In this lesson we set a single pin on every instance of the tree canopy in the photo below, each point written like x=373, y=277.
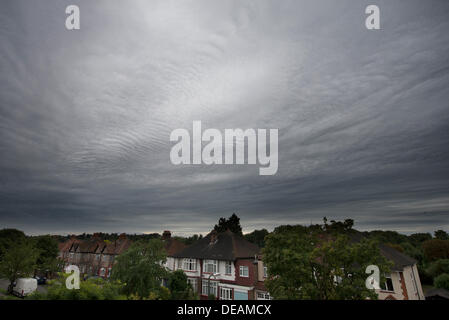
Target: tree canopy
x=232, y=223
x=141, y=269
x=317, y=263
x=19, y=261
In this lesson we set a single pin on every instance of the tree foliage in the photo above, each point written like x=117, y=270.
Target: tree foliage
x=436, y=249
x=8, y=237
x=91, y=289
x=232, y=223
x=319, y=263
x=179, y=288
x=140, y=268
x=257, y=237
x=438, y=267
x=47, y=247
x=19, y=261
x=441, y=234
x=442, y=281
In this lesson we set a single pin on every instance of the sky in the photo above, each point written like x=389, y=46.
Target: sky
x=86, y=115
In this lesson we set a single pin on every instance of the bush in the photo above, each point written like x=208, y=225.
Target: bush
x=92, y=289
x=438, y=267
x=442, y=281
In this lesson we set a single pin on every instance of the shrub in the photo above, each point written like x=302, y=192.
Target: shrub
x=442, y=281
x=438, y=267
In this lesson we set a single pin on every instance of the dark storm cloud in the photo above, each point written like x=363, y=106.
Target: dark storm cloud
x=85, y=116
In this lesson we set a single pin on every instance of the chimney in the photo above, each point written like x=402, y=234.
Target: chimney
x=122, y=236
x=166, y=235
x=213, y=237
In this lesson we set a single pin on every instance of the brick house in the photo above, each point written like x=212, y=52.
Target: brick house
x=223, y=264
x=94, y=256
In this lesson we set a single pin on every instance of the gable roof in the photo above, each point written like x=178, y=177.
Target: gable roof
x=399, y=259
x=173, y=246
x=117, y=247
x=228, y=246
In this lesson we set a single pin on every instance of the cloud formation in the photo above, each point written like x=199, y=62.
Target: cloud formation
x=85, y=116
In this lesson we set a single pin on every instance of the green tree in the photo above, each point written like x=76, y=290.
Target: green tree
x=441, y=234
x=232, y=223
x=47, y=260
x=257, y=237
x=18, y=261
x=438, y=267
x=8, y=237
x=435, y=249
x=442, y=281
x=140, y=268
x=314, y=263
x=179, y=288
x=419, y=238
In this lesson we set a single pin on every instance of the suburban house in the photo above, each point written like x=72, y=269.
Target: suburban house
x=224, y=265
x=96, y=256
x=403, y=282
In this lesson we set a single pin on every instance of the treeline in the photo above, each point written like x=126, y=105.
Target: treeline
x=430, y=251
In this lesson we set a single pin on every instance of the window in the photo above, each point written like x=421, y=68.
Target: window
x=102, y=272
x=244, y=272
x=109, y=272
x=265, y=272
x=97, y=256
x=388, y=286
x=209, y=287
x=225, y=294
x=228, y=267
x=263, y=296
x=189, y=264
x=193, y=283
x=210, y=266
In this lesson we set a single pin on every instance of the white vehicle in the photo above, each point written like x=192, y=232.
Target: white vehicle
x=24, y=286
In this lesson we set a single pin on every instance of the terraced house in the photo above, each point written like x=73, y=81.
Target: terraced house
x=224, y=265
x=97, y=256
x=94, y=256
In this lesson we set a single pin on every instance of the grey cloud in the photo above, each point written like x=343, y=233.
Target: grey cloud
x=85, y=116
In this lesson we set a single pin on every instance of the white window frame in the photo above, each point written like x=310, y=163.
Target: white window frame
x=228, y=267
x=388, y=276
x=263, y=296
x=241, y=273
x=265, y=271
x=213, y=287
x=189, y=264
x=212, y=263
x=225, y=293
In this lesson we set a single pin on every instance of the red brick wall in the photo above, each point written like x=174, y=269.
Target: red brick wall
x=252, y=273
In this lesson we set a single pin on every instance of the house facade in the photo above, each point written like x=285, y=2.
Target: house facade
x=224, y=265
x=94, y=256
x=403, y=282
